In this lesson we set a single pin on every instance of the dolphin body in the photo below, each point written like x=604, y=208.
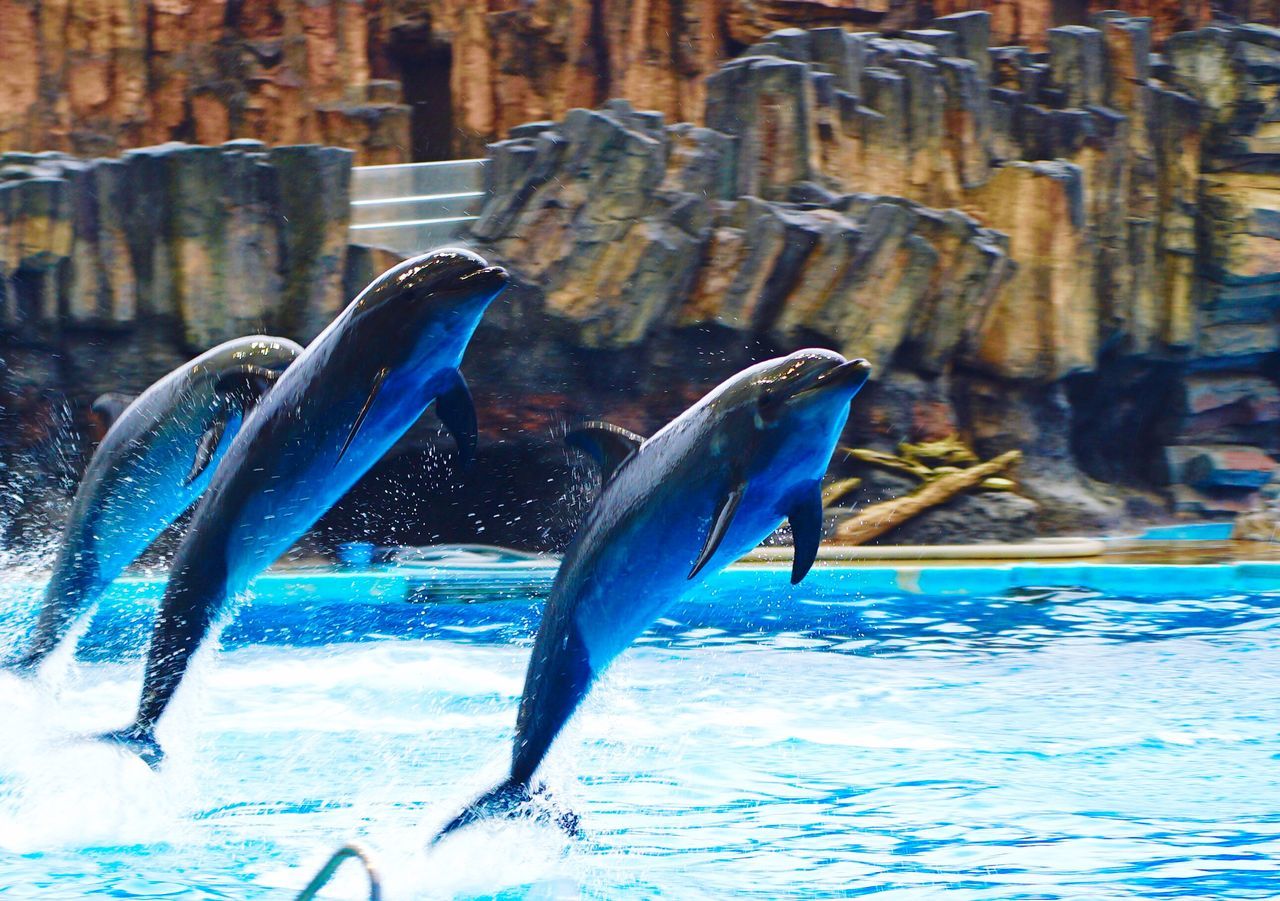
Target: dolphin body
x=348, y=398
x=156, y=458
x=674, y=510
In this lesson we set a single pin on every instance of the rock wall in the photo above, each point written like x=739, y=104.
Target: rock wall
x=1072, y=252
x=113, y=271
x=519, y=62
x=631, y=229
x=1088, y=228
x=215, y=240
x=94, y=79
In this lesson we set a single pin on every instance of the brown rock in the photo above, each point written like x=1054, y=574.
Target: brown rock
x=313, y=206
x=1043, y=325
x=104, y=76
x=768, y=104
x=120, y=73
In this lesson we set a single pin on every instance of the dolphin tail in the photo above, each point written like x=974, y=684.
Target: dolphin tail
x=141, y=740
x=511, y=799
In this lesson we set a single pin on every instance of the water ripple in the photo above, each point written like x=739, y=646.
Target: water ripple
x=1033, y=745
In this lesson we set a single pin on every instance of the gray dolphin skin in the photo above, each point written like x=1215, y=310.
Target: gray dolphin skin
x=154, y=461
x=674, y=510
x=111, y=406
x=348, y=398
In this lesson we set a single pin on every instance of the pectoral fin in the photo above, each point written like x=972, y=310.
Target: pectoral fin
x=206, y=447
x=805, y=517
x=609, y=445
x=458, y=413
x=719, y=526
x=378, y=379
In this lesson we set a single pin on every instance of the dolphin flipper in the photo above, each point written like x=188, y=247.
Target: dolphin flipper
x=719, y=526
x=242, y=386
x=138, y=739
x=206, y=447
x=457, y=411
x=364, y=411
x=805, y=517
x=510, y=799
x=609, y=445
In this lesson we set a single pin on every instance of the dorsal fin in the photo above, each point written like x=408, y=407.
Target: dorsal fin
x=609, y=445
x=110, y=405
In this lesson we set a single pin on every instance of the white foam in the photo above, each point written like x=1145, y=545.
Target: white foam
x=58, y=788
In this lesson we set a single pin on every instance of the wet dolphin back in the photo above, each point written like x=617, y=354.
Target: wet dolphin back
x=629, y=560
x=135, y=486
x=277, y=479
x=350, y=396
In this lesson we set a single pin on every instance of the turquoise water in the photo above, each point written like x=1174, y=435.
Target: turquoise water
x=1050, y=743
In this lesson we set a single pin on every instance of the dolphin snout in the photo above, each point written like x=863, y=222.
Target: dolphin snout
x=490, y=278
x=848, y=374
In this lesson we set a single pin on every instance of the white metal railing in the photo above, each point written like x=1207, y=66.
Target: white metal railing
x=412, y=207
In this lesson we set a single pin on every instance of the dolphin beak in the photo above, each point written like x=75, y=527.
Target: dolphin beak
x=849, y=376
x=490, y=279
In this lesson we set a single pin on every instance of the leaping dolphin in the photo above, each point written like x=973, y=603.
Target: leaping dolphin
x=674, y=510
x=350, y=396
x=157, y=456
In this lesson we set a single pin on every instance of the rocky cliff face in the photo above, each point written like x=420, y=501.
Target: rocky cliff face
x=94, y=79
x=215, y=240
x=517, y=62
x=112, y=272
x=1071, y=249
x=1072, y=252
x=425, y=79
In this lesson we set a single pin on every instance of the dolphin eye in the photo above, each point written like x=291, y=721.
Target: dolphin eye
x=768, y=407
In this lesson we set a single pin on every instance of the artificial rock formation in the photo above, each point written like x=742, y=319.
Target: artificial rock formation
x=1093, y=179
x=518, y=62
x=218, y=240
x=98, y=78
x=1089, y=227
x=101, y=77
x=631, y=228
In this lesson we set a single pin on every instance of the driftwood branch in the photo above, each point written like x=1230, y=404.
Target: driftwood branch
x=872, y=522
x=889, y=461
x=838, y=489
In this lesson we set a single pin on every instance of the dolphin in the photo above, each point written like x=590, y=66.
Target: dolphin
x=348, y=398
x=157, y=456
x=674, y=510
x=111, y=405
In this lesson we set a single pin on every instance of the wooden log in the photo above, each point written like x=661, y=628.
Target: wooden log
x=889, y=461
x=872, y=522
x=838, y=489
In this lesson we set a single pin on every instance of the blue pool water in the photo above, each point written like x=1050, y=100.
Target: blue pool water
x=838, y=740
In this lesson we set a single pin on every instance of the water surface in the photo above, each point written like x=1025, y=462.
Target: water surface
x=1039, y=744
